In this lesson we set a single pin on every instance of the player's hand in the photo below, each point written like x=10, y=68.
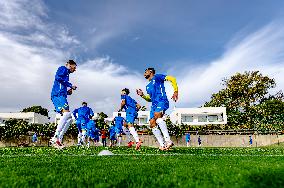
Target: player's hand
x=175, y=96
x=139, y=92
x=69, y=92
x=74, y=87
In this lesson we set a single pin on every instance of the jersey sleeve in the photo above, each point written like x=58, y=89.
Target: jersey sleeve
x=75, y=113
x=91, y=112
x=173, y=82
x=161, y=77
x=60, y=74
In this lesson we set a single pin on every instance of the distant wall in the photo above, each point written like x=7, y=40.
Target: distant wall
x=206, y=141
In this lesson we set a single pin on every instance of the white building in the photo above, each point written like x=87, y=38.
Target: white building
x=199, y=116
x=30, y=117
x=142, y=118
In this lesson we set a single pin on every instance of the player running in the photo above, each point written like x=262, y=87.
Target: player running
x=157, y=95
x=131, y=107
x=118, y=122
x=91, y=129
x=84, y=115
x=61, y=88
x=112, y=136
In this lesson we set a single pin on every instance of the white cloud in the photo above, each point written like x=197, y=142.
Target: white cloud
x=28, y=64
x=262, y=50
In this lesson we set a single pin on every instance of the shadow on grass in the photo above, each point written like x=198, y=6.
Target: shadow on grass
x=268, y=179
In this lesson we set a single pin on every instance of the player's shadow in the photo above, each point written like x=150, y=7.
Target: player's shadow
x=271, y=179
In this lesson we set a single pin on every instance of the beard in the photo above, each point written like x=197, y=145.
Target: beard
x=147, y=76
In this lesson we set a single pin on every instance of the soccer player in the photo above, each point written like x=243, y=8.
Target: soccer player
x=83, y=118
x=61, y=88
x=118, y=122
x=131, y=107
x=157, y=95
x=112, y=136
x=187, y=139
x=91, y=128
x=34, y=139
x=96, y=136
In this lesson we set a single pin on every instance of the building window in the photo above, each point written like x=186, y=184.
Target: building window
x=186, y=118
x=143, y=120
x=202, y=118
x=213, y=118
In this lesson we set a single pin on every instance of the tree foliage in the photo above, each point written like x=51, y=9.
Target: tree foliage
x=248, y=102
x=101, y=124
x=37, y=109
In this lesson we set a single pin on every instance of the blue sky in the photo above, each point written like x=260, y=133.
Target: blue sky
x=199, y=42
x=143, y=33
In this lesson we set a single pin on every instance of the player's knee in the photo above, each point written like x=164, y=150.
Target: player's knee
x=157, y=115
x=67, y=114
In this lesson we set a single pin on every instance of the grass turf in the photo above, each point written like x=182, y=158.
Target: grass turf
x=181, y=167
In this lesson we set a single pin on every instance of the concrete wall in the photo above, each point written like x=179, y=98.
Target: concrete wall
x=207, y=141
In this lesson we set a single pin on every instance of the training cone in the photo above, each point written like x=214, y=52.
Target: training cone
x=105, y=152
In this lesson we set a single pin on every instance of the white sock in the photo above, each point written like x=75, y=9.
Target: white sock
x=134, y=134
x=163, y=126
x=119, y=140
x=79, y=137
x=158, y=135
x=65, y=128
x=84, y=134
x=127, y=133
x=61, y=123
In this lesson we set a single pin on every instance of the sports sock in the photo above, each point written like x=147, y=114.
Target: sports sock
x=158, y=135
x=65, y=128
x=61, y=123
x=163, y=126
x=84, y=133
x=134, y=134
x=127, y=133
x=119, y=140
x=79, y=137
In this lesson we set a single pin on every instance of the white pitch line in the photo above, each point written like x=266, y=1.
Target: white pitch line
x=149, y=154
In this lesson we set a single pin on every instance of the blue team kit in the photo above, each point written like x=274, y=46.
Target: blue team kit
x=157, y=93
x=130, y=108
x=118, y=124
x=59, y=89
x=83, y=118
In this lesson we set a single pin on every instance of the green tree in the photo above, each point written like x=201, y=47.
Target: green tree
x=36, y=109
x=244, y=95
x=101, y=121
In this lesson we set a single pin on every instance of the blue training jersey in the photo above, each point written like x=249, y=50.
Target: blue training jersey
x=130, y=104
x=118, y=121
x=84, y=113
x=61, y=82
x=156, y=89
x=112, y=131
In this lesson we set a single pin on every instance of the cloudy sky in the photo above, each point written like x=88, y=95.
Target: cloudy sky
x=199, y=42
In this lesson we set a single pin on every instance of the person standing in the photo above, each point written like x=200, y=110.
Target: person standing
x=61, y=88
x=156, y=93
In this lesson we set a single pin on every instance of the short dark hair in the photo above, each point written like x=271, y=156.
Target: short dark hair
x=119, y=114
x=84, y=103
x=71, y=62
x=126, y=91
x=151, y=69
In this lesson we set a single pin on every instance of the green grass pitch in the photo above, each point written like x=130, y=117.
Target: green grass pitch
x=180, y=167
